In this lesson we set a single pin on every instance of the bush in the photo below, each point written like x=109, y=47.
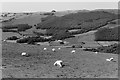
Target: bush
x=91, y=49
x=110, y=49
x=23, y=27
x=8, y=30
x=19, y=27
x=32, y=40
x=9, y=27
x=107, y=34
x=38, y=33
x=24, y=40
x=61, y=34
x=12, y=38
x=113, y=22
x=106, y=49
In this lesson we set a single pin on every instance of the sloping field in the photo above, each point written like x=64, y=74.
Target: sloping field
x=31, y=20
x=89, y=38
x=40, y=63
x=5, y=35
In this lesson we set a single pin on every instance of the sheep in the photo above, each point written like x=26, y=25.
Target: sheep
x=59, y=48
x=96, y=52
x=4, y=40
x=73, y=51
x=53, y=49
x=45, y=49
x=110, y=59
x=25, y=54
x=58, y=63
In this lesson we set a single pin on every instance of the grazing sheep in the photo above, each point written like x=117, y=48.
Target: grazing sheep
x=59, y=48
x=110, y=59
x=25, y=54
x=45, y=49
x=4, y=40
x=73, y=51
x=96, y=52
x=53, y=49
x=58, y=63
x=59, y=40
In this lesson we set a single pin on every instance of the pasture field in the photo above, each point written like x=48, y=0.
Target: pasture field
x=40, y=63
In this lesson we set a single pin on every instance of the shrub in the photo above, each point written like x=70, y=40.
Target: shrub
x=32, y=40
x=9, y=30
x=106, y=49
x=110, y=49
x=23, y=27
x=12, y=38
x=61, y=34
x=19, y=27
x=24, y=40
x=91, y=49
x=107, y=34
x=38, y=33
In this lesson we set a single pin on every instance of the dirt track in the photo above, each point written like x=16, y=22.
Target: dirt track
x=40, y=63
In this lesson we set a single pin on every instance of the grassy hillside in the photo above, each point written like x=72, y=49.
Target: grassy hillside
x=56, y=26
x=30, y=20
x=77, y=20
x=84, y=21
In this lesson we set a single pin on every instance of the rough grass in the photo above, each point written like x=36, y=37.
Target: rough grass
x=40, y=64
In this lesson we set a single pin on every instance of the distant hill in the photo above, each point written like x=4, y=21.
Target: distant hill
x=84, y=21
x=77, y=20
x=114, y=11
x=30, y=20
x=54, y=24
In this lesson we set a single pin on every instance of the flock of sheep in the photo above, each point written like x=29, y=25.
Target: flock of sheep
x=56, y=63
x=59, y=63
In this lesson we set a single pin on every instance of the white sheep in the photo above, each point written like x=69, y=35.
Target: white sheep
x=96, y=52
x=53, y=49
x=58, y=63
x=110, y=59
x=73, y=51
x=4, y=40
x=24, y=53
x=45, y=49
x=59, y=48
